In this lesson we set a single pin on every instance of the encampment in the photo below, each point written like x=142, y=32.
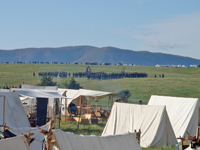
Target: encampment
x=183, y=113
x=156, y=129
x=70, y=141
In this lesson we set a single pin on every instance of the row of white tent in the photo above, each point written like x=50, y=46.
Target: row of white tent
x=160, y=125
x=70, y=141
x=163, y=120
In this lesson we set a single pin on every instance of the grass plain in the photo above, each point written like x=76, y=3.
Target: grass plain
x=180, y=82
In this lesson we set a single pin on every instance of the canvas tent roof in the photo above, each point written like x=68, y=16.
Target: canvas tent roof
x=69, y=141
x=183, y=113
x=15, y=143
x=75, y=94
x=156, y=129
x=32, y=93
x=26, y=86
x=15, y=115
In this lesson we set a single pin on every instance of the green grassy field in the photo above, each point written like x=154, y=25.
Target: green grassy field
x=181, y=82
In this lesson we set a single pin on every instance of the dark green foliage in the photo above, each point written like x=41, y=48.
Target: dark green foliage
x=125, y=94
x=47, y=81
x=70, y=84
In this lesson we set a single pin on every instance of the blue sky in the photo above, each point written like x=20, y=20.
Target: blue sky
x=167, y=26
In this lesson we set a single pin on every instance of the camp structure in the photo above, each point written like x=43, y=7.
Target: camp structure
x=81, y=97
x=184, y=113
x=153, y=121
x=40, y=104
x=70, y=141
x=15, y=143
x=12, y=113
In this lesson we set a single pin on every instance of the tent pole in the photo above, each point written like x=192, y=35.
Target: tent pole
x=53, y=113
x=65, y=110
x=3, y=128
x=96, y=102
x=112, y=102
x=87, y=104
x=60, y=106
x=108, y=101
x=80, y=104
x=48, y=109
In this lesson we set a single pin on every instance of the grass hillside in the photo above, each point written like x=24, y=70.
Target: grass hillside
x=181, y=82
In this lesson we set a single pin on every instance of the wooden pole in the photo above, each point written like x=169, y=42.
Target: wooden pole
x=112, y=102
x=80, y=104
x=4, y=111
x=48, y=109
x=87, y=104
x=53, y=111
x=96, y=102
x=4, y=125
x=60, y=107
x=27, y=136
x=47, y=135
x=65, y=109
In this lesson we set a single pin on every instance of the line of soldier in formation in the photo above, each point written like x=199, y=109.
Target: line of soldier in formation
x=93, y=75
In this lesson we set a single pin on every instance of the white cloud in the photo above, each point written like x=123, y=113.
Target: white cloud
x=179, y=35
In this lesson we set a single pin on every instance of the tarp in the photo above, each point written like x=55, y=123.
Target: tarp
x=38, y=138
x=32, y=93
x=15, y=115
x=156, y=129
x=69, y=141
x=183, y=112
x=26, y=86
x=75, y=95
x=15, y=143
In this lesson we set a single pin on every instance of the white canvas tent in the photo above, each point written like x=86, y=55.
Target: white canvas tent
x=29, y=96
x=15, y=115
x=15, y=143
x=69, y=141
x=156, y=129
x=183, y=112
x=38, y=138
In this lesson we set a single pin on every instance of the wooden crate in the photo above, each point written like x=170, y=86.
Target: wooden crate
x=83, y=120
x=89, y=116
x=67, y=119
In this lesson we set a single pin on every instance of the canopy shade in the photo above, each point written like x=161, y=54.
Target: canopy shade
x=33, y=93
x=92, y=94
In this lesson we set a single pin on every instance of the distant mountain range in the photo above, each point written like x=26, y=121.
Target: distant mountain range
x=82, y=54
